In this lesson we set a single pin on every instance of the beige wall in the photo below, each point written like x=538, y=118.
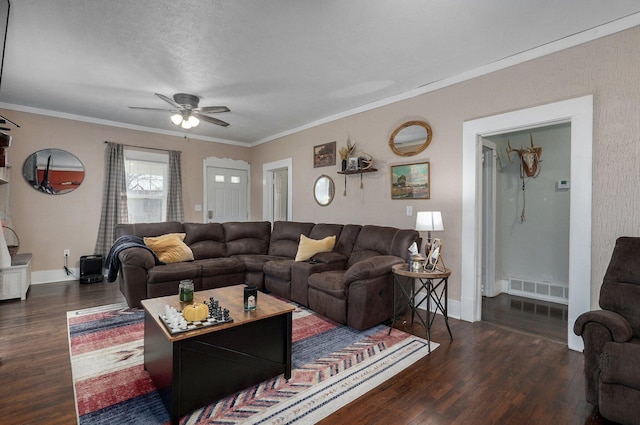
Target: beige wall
x=606, y=68
x=48, y=224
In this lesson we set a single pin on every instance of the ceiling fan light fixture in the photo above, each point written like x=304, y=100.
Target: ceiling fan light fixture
x=176, y=119
x=193, y=121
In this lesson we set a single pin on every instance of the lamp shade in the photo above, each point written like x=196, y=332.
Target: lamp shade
x=429, y=220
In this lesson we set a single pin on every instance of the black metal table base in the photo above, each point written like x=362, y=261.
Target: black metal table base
x=436, y=297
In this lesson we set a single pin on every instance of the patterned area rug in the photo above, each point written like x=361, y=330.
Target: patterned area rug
x=333, y=365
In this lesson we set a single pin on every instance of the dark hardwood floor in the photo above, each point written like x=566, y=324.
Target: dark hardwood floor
x=486, y=375
x=538, y=318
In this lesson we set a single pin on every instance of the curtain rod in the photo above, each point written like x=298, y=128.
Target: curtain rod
x=143, y=147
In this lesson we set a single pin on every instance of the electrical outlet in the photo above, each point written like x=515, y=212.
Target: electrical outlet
x=66, y=253
x=409, y=211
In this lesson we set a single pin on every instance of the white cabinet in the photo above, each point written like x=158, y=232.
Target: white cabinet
x=15, y=280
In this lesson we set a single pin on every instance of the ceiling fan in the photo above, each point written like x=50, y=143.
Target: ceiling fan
x=187, y=114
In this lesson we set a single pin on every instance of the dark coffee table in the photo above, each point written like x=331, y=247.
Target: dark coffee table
x=195, y=368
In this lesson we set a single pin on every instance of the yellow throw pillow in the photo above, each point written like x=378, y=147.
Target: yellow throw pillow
x=169, y=248
x=310, y=247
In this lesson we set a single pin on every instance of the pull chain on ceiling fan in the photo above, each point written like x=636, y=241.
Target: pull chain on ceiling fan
x=187, y=113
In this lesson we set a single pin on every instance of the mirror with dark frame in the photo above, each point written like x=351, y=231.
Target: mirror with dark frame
x=323, y=190
x=53, y=171
x=410, y=138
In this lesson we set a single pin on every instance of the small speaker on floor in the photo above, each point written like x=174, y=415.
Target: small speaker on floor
x=91, y=269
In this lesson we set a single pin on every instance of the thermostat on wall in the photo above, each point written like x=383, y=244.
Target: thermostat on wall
x=563, y=184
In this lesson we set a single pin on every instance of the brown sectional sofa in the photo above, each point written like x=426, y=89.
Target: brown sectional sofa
x=352, y=284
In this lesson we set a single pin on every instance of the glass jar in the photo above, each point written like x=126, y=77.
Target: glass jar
x=186, y=290
x=250, y=298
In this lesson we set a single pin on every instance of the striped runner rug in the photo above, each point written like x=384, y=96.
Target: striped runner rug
x=333, y=365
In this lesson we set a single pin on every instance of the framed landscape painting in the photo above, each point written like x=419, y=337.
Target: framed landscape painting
x=410, y=181
x=324, y=155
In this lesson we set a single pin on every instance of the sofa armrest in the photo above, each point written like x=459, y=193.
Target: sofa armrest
x=618, y=326
x=137, y=257
x=329, y=258
x=372, y=267
x=620, y=365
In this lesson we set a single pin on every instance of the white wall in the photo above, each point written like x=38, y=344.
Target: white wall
x=605, y=68
x=538, y=248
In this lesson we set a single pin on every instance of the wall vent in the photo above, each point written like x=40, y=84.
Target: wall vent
x=545, y=291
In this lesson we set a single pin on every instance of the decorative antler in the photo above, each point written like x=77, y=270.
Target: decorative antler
x=529, y=165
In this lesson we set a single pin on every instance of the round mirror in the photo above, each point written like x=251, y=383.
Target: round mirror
x=323, y=190
x=53, y=171
x=410, y=138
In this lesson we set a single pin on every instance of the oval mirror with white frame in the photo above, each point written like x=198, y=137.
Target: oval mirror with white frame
x=410, y=138
x=323, y=190
x=53, y=171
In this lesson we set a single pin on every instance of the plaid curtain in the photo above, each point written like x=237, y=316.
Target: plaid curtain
x=114, y=198
x=175, y=210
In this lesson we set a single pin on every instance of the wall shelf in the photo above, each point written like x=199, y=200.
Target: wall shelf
x=352, y=172
x=368, y=170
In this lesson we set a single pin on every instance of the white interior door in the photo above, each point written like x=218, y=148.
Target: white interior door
x=488, y=218
x=277, y=178
x=226, y=195
x=280, y=194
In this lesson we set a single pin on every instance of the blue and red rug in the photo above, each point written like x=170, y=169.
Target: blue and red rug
x=333, y=365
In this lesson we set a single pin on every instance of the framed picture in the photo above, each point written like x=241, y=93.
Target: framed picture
x=352, y=163
x=410, y=181
x=324, y=155
x=434, y=255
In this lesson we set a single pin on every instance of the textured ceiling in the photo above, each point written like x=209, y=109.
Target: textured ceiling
x=277, y=64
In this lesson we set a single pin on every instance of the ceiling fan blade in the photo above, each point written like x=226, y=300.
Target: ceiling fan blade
x=7, y=119
x=210, y=119
x=212, y=109
x=169, y=101
x=153, y=109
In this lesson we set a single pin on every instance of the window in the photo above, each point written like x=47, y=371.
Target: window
x=147, y=187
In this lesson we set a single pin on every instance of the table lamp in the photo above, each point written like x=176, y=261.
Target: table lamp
x=429, y=221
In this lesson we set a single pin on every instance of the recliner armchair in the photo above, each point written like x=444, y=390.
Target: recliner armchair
x=612, y=337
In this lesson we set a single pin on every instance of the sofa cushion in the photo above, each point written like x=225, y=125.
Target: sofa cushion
x=285, y=237
x=347, y=239
x=170, y=248
x=308, y=247
x=173, y=273
x=148, y=229
x=322, y=230
x=220, y=266
x=206, y=240
x=279, y=268
x=255, y=263
x=251, y=237
x=372, y=241
x=330, y=283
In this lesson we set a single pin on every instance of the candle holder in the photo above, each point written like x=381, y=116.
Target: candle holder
x=250, y=298
x=186, y=290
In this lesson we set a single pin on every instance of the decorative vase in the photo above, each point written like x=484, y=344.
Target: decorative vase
x=344, y=165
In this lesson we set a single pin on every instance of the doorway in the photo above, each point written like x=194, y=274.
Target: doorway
x=579, y=113
x=525, y=231
x=277, y=190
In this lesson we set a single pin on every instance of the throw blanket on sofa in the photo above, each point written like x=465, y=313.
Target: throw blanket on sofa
x=113, y=261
